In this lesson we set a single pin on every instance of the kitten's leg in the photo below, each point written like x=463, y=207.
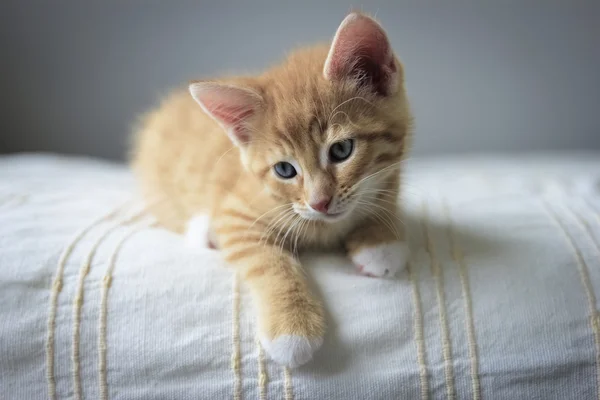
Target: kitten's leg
x=377, y=250
x=290, y=319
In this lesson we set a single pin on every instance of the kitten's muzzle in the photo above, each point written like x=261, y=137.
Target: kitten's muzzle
x=321, y=205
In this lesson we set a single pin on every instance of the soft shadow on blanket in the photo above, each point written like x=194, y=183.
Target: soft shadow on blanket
x=337, y=354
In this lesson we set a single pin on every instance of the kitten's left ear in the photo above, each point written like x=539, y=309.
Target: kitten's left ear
x=233, y=107
x=361, y=52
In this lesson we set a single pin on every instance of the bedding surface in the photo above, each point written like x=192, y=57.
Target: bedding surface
x=500, y=300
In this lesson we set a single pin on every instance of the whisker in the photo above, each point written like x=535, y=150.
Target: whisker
x=347, y=117
x=290, y=218
x=392, y=214
x=282, y=216
x=387, y=222
x=271, y=210
x=396, y=164
x=346, y=101
x=302, y=224
x=290, y=228
x=390, y=194
x=385, y=210
x=379, y=199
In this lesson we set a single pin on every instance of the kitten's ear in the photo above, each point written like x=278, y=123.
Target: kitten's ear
x=233, y=107
x=361, y=52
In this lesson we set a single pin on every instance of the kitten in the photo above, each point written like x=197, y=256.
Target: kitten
x=304, y=155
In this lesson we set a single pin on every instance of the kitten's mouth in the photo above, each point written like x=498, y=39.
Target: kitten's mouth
x=334, y=216
x=317, y=216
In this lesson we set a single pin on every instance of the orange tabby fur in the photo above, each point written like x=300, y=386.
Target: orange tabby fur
x=187, y=166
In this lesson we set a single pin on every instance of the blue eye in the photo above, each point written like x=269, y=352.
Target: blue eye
x=285, y=170
x=340, y=151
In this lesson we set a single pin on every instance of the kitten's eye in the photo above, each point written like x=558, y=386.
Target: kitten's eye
x=285, y=170
x=340, y=151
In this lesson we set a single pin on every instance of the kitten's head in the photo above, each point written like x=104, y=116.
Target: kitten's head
x=323, y=129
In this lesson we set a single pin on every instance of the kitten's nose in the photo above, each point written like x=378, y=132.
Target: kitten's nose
x=321, y=205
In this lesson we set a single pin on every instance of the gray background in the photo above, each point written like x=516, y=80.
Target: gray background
x=482, y=76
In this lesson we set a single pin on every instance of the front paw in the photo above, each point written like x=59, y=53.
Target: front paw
x=291, y=335
x=198, y=234
x=291, y=350
x=383, y=260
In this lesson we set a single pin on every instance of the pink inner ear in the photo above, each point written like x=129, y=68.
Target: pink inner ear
x=228, y=114
x=231, y=106
x=361, y=51
x=232, y=118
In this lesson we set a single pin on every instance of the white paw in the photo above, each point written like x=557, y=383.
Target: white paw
x=197, y=232
x=291, y=350
x=383, y=260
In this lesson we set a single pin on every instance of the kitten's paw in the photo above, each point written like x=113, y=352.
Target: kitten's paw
x=291, y=350
x=197, y=234
x=293, y=333
x=383, y=260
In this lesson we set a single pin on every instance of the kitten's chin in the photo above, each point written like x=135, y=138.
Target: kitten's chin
x=317, y=216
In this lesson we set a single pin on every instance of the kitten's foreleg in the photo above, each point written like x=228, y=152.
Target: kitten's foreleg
x=290, y=319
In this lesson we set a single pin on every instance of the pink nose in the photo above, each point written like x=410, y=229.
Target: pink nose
x=321, y=205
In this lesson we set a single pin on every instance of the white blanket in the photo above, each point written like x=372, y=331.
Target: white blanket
x=499, y=302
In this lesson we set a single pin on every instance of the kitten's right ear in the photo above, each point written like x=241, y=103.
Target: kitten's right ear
x=233, y=107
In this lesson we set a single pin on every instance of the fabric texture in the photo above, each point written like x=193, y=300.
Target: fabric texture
x=500, y=299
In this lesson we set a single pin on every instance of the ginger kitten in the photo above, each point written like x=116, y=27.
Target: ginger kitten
x=305, y=155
